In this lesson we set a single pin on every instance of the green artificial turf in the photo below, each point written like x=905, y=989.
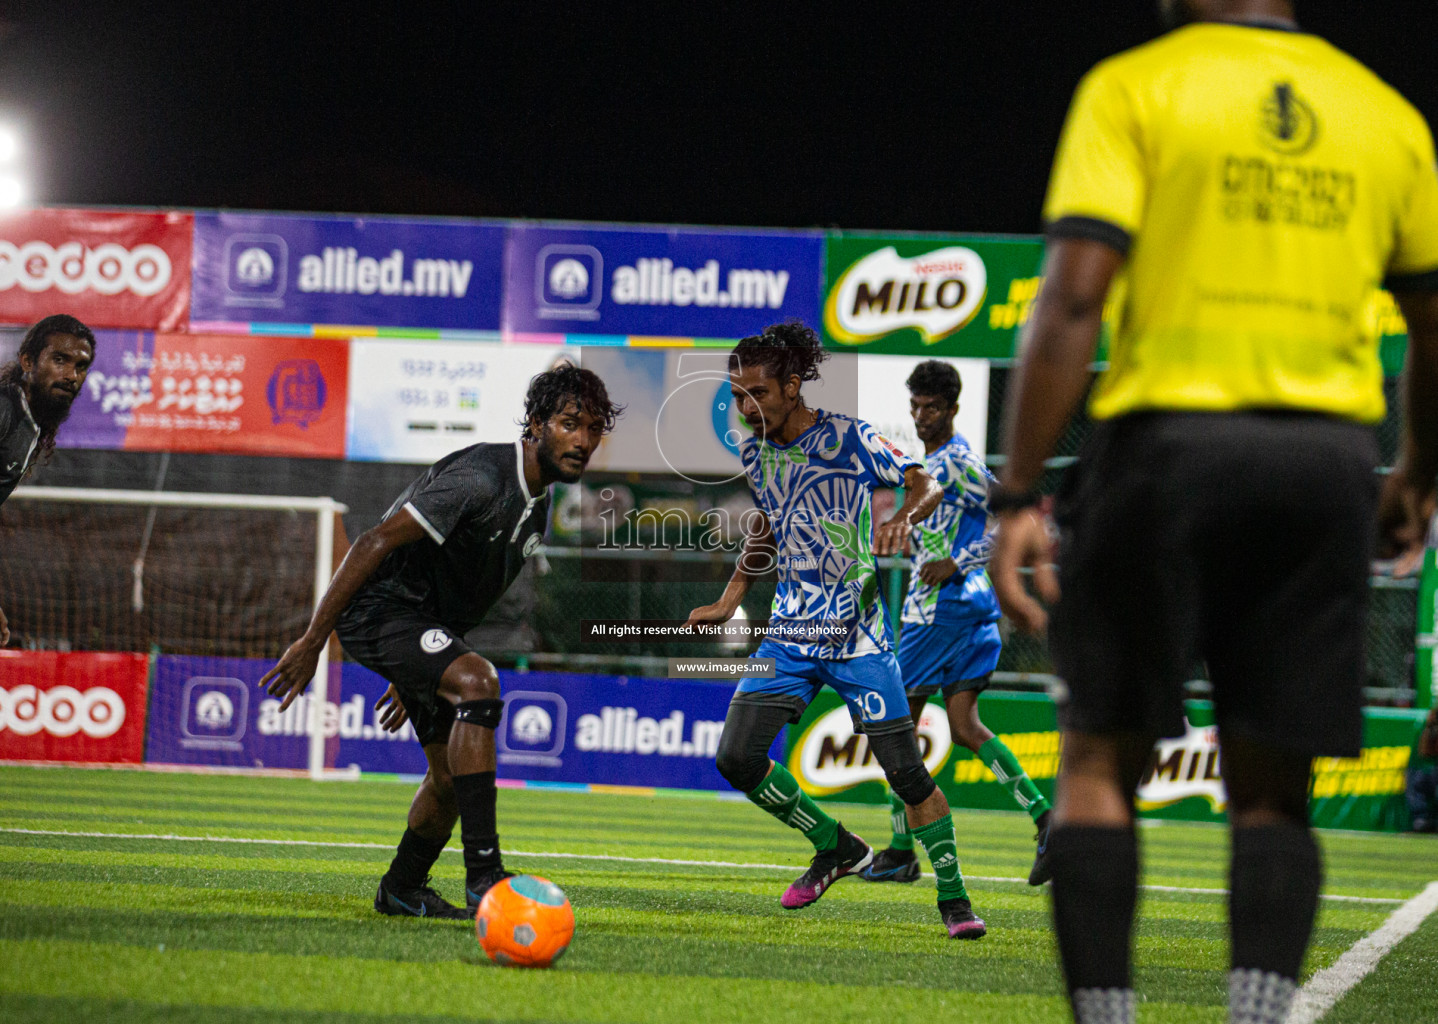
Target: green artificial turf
x=105, y=928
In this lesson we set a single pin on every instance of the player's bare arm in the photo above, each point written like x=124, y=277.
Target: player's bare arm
x=296, y=667
x=1407, y=501
x=758, y=558
x=937, y=571
x=4, y=629
x=922, y=495
x=1053, y=375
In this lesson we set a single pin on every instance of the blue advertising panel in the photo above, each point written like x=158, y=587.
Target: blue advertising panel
x=383, y=272
x=210, y=711
x=659, y=282
x=614, y=730
x=557, y=726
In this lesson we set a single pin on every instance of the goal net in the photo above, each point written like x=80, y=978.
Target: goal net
x=208, y=583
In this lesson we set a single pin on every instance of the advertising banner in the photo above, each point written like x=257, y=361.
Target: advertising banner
x=658, y=282
x=928, y=295
x=557, y=727
x=1183, y=781
x=110, y=269
x=415, y=401
x=72, y=706
x=213, y=393
x=680, y=414
x=614, y=730
x=375, y=271
x=210, y=711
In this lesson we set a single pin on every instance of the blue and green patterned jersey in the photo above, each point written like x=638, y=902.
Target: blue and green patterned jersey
x=817, y=493
x=958, y=529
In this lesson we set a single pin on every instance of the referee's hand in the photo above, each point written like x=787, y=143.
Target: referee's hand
x=1022, y=541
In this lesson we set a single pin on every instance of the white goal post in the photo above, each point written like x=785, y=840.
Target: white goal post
x=323, y=509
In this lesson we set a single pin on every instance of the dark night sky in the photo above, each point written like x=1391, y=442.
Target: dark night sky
x=932, y=117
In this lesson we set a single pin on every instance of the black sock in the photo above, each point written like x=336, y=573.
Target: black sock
x=474, y=794
x=1095, y=891
x=1273, y=897
x=412, y=860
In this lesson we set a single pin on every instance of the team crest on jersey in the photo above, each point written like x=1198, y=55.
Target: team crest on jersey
x=1288, y=125
x=435, y=640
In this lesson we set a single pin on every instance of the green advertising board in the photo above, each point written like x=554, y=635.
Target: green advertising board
x=968, y=295
x=1183, y=780
x=928, y=294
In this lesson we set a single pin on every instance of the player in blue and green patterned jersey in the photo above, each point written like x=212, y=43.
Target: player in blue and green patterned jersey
x=950, y=642
x=813, y=474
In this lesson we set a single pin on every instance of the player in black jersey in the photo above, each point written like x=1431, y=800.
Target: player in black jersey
x=408, y=591
x=36, y=391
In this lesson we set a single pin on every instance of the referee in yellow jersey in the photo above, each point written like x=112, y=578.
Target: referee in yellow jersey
x=1241, y=189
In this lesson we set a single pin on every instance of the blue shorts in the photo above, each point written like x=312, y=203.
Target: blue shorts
x=870, y=684
x=948, y=658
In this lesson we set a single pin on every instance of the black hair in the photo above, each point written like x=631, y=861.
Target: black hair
x=552, y=390
x=32, y=345
x=938, y=378
x=790, y=349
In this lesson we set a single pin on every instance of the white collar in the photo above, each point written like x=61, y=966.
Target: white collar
x=519, y=464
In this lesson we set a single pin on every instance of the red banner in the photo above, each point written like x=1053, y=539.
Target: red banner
x=72, y=707
x=232, y=393
x=109, y=269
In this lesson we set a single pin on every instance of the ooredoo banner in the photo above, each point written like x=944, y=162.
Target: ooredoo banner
x=659, y=282
x=213, y=393
x=72, y=706
x=110, y=269
x=374, y=271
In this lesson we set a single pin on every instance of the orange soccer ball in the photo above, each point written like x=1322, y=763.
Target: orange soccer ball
x=524, y=921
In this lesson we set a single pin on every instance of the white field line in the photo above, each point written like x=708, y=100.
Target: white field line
x=574, y=856
x=1329, y=985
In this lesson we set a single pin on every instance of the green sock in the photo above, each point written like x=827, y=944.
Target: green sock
x=943, y=850
x=780, y=795
x=1010, y=773
x=899, y=819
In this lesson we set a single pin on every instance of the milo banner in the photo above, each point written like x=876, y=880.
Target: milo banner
x=1183, y=781
x=928, y=295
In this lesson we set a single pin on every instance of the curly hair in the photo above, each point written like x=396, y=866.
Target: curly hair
x=935, y=377
x=790, y=349
x=32, y=345
x=552, y=390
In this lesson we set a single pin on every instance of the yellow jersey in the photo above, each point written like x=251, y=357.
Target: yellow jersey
x=1263, y=184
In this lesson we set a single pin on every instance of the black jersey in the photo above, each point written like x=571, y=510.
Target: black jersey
x=18, y=438
x=482, y=524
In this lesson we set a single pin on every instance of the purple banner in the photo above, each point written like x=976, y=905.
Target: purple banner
x=557, y=727
x=385, y=272
x=118, y=383
x=664, y=282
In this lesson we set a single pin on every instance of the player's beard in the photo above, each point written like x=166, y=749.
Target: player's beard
x=555, y=466
x=49, y=408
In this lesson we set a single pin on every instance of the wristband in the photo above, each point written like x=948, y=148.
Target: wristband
x=1002, y=500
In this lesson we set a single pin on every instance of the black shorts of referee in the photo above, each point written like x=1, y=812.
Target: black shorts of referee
x=410, y=650
x=1243, y=540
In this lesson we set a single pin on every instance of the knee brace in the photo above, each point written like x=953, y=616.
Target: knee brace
x=749, y=731
x=483, y=713
x=898, y=754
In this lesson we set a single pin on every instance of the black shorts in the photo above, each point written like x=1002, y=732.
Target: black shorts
x=410, y=650
x=1241, y=540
